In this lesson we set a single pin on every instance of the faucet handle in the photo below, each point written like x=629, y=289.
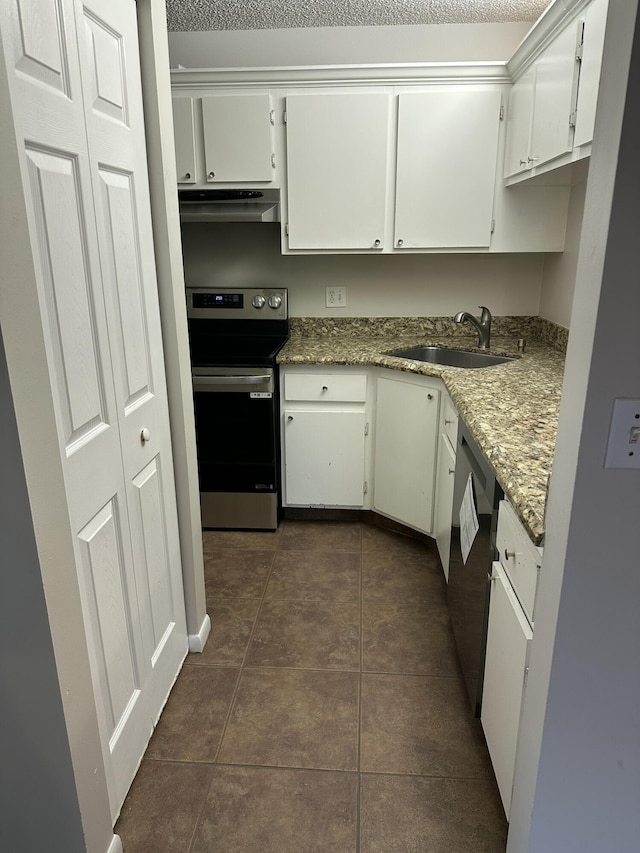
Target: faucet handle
x=486, y=314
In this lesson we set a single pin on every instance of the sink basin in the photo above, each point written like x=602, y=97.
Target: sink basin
x=451, y=357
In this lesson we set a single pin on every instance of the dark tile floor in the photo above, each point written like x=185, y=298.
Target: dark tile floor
x=327, y=712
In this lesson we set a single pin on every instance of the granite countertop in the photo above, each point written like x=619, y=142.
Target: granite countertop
x=511, y=409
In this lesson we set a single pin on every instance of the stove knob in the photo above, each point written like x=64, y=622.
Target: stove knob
x=275, y=301
x=258, y=301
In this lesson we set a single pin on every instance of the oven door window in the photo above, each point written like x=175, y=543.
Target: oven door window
x=236, y=438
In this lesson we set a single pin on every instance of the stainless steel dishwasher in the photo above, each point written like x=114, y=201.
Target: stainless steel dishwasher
x=468, y=589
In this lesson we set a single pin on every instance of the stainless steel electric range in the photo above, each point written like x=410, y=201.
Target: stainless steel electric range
x=235, y=336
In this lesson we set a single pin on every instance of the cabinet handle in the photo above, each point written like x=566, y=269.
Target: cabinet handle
x=532, y=159
x=376, y=243
x=188, y=175
x=509, y=554
x=289, y=417
x=145, y=435
x=429, y=396
x=212, y=174
x=523, y=162
x=452, y=470
x=400, y=242
x=325, y=388
x=447, y=422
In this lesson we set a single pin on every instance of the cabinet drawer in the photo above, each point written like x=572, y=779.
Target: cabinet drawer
x=449, y=421
x=519, y=557
x=325, y=387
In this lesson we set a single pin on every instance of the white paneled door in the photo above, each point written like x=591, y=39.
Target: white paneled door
x=77, y=104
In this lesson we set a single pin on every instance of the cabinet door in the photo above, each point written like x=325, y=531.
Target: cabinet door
x=519, y=115
x=593, y=42
x=555, y=91
x=444, y=500
x=324, y=458
x=508, y=639
x=405, y=455
x=238, y=138
x=337, y=148
x=183, y=131
x=446, y=168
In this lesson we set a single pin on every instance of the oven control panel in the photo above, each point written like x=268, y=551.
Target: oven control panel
x=237, y=303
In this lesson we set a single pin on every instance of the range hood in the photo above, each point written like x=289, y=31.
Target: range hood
x=229, y=205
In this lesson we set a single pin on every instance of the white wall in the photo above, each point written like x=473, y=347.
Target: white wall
x=345, y=45
x=559, y=274
x=233, y=254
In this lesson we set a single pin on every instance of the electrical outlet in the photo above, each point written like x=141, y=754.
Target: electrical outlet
x=336, y=297
x=623, y=449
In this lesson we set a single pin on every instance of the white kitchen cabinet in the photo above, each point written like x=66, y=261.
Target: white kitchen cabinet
x=445, y=478
x=541, y=107
x=555, y=98
x=595, y=21
x=406, y=434
x=184, y=134
x=337, y=160
x=324, y=437
x=508, y=638
x=238, y=138
x=519, y=118
x=446, y=167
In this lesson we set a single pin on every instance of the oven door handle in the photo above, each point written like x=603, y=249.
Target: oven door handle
x=227, y=383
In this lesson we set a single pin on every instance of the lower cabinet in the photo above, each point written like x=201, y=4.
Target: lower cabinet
x=324, y=463
x=324, y=437
x=445, y=479
x=406, y=433
x=508, y=638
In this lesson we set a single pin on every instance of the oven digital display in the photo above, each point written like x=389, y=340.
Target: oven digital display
x=218, y=300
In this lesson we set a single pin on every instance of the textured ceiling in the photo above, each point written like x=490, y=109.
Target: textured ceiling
x=189, y=15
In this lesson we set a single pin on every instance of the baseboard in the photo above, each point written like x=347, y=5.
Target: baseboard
x=116, y=845
x=197, y=641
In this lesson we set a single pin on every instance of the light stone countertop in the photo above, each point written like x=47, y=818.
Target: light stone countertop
x=511, y=409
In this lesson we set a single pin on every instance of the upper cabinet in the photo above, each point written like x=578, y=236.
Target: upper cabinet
x=185, y=140
x=224, y=138
x=337, y=153
x=552, y=103
x=446, y=166
x=595, y=21
x=238, y=139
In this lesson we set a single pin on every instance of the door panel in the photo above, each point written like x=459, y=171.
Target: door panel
x=40, y=43
x=66, y=267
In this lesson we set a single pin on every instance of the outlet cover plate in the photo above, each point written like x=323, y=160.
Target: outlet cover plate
x=336, y=297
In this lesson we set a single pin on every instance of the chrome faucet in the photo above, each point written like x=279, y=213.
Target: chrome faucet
x=482, y=326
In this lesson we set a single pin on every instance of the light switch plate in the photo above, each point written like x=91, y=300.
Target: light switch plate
x=623, y=449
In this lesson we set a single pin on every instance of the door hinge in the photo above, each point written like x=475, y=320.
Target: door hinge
x=525, y=677
x=366, y=429
x=501, y=112
x=365, y=488
x=580, y=44
x=572, y=118
x=493, y=225
x=272, y=116
x=286, y=228
x=284, y=117
x=273, y=161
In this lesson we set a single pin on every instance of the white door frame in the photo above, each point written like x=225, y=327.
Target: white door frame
x=34, y=407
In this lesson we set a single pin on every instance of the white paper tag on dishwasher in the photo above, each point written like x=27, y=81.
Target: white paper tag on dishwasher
x=261, y=395
x=468, y=520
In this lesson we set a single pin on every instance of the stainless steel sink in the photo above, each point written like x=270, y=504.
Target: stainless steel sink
x=450, y=357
